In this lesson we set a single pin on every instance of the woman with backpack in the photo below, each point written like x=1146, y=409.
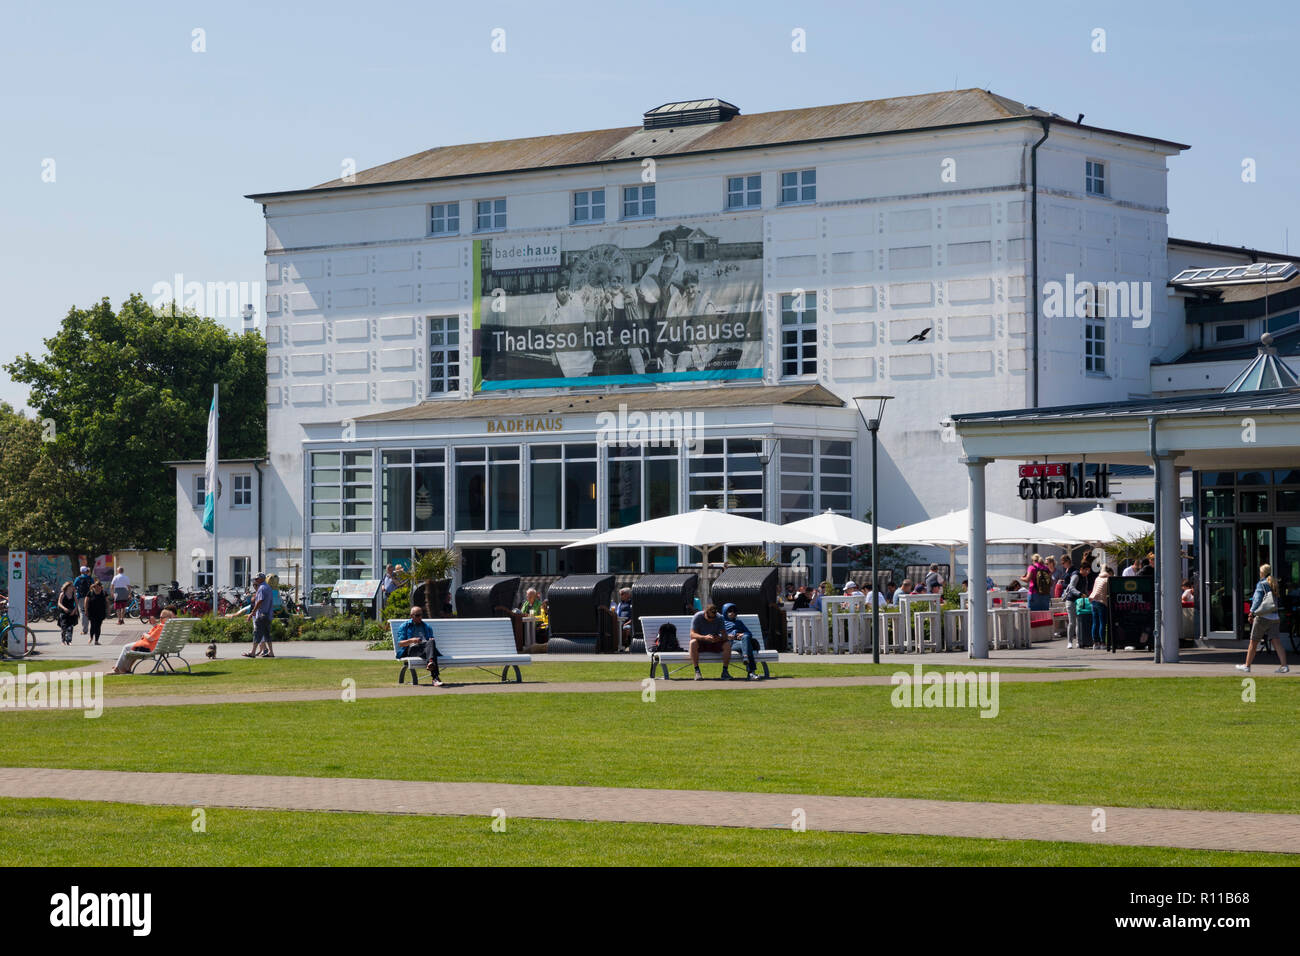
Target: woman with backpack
x=1038, y=581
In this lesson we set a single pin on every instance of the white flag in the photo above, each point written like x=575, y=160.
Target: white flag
x=210, y=471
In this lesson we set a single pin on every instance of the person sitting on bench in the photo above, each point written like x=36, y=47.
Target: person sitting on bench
x=622, y=610
x=417, y=635
x=143, y=647
x=738, y=632
x=709, y=634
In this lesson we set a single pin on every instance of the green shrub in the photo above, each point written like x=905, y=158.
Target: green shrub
x=385, y=645
x=340, y=627
x=398, y=604
x=224, y=630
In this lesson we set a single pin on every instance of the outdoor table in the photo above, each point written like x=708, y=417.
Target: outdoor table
x=913, y=630
x=956, y=623
x=847, y=628
x=809, y=632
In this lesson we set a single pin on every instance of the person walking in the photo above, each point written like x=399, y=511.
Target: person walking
x=1079, y=585
x=67, y=611
x=1099, y=597
x=81, y=584
x=1264, y=621
x=121, y=586
x=261, y=614
x=96, y=610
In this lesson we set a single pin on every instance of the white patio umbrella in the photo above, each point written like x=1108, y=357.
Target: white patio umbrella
x=703, y=528
x=1186, y=534
x=1098, y=526
x=828, y=531
x=952, y=531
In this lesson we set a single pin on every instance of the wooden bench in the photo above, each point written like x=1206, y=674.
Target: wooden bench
x=482, y=642
x=650, y=628
x=177, y=632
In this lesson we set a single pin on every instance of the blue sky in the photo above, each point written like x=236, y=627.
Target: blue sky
x=155, y=145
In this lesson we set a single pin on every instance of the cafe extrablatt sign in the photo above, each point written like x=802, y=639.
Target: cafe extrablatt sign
x=1059, y=480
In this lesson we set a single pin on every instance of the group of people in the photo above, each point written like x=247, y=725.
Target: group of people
x=85, y=600
x=803, y=597
x=715, y=632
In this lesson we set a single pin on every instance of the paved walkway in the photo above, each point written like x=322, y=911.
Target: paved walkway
x=425, y=689
x=1192, y=829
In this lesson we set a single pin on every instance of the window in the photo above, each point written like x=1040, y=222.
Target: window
x=444, y=219
x=1095, y=178
x=203, y=574
x=243, y=491
x=744, y=192
x=1226, y=333
x=487, y=488
x=200, y=491
x=815, y=475
x=641, y=483
x=489, y=215
x=444, y=354
x=1094, y=333
x=727, y=476
x=240, y=572
x=1279, y=322
x=799, y=334
x=414, y=490
x=589, y=206
x=639, y=201
x=799, y=186
x=332, y=564
x=563, y=488
x=342, y=492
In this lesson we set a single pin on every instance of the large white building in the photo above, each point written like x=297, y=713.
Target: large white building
x=881, y=247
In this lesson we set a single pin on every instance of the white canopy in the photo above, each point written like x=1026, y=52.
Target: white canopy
x=1097, y=526
x=703, y=528
x=1186, y=533
x=827, y=530
x=953, y=531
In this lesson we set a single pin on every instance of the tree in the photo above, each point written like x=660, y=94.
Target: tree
x=126, y=391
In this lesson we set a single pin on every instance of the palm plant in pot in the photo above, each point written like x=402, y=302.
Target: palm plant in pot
x=434, y=569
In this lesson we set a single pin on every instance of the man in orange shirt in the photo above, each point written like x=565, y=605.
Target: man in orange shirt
x=143, y=647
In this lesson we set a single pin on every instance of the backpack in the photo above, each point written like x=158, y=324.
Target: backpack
x=1072, y=591
x=667, y=638
x=1042, y=581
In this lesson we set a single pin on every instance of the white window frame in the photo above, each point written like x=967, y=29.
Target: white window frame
x=1095, y=332
x=449, y=355
x=200, y=491
x=640, y=201
x=588, y=206
x=803, y=323
x=450, y=214
x=496, y=214
x=241, y=497
x=1094, y=177
x=241, y=571
x=203, y=574
x=801, y=186
x=337, y=492
x=751, y=195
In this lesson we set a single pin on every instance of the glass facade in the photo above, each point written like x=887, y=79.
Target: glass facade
x=487, y=488
x=414, y=490
x=563, y=493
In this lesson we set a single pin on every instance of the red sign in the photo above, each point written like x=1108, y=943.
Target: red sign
x=1042, y=471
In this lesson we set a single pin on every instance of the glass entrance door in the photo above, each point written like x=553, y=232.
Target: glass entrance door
x=1219, y=575
x=1256, y=550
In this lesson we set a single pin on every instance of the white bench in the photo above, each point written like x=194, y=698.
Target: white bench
x=176, y=634
x=482, y=642
x=650, y=628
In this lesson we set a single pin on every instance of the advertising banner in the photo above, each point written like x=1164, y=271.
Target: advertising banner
x=628, y=304
x=1132, y=610
x=17, y=583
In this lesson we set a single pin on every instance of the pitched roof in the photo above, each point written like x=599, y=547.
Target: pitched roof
x=899, y=114
x=730, y=396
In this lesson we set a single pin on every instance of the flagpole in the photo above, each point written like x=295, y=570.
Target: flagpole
x=216, y=492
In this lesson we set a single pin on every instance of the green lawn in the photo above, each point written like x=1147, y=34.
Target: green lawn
x=1185, y=742
x=238, y=675
x=70, y=833
x=32, y=666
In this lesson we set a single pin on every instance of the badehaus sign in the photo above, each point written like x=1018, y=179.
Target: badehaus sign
x=1059, y=480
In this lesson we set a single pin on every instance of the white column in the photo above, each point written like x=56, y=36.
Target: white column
x=978, y=642
x=1169, y=565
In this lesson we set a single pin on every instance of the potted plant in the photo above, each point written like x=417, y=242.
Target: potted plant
x=435, y=569
x=749, y=558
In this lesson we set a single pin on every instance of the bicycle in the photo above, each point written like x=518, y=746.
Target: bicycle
x=19, y=634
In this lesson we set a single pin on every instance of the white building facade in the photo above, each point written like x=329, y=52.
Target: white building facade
x=891, y=245
x=239, y=523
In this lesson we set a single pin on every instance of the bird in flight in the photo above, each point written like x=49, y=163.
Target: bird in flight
x=920, y=336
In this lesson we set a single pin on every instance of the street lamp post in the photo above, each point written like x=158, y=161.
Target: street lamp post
x=872, y=409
